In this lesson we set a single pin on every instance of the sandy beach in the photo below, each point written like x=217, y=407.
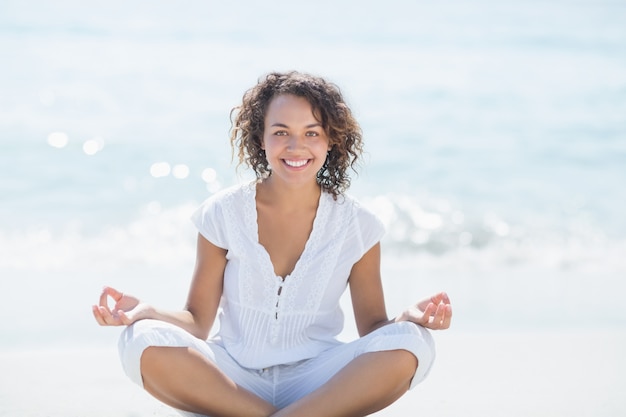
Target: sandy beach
x=551, y=373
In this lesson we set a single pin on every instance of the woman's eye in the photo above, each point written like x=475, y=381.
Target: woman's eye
x=280, y=133
x=312, y=134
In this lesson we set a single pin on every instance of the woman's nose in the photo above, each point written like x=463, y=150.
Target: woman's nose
x=295, y=141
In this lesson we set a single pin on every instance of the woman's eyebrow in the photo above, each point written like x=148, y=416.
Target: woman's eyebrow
x=285, y=126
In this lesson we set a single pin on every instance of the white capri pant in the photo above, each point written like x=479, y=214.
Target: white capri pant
x=279, y=385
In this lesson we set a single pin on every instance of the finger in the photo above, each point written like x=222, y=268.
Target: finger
x=428, y=312
x=110, y=292
x=441, y=297
x=440, y=315
x=105, y=314
x=115, y=294
x=448, y=318
x=103, y=297
x=96, y=313
x=102, y=316
x=445, y=298
x=108, y=317
x=435, y=318
x=126, y=318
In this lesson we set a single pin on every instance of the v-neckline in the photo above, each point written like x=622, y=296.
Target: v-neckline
x=268, y=259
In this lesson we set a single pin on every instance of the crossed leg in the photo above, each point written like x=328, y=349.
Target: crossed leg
x=367, y=384
x=184, y=379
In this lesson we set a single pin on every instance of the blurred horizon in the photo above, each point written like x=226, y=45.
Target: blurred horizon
x=495, y=138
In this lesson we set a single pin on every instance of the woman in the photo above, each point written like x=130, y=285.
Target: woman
x=276, y=255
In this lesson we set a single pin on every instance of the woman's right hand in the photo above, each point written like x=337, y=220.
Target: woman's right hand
x=127, y=309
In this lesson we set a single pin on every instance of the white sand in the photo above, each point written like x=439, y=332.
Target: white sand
x=571, y=374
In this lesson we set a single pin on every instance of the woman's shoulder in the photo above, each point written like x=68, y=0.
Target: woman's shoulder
x=229, y=195
x=355, y=209
x=220, y=213
x=362, y=228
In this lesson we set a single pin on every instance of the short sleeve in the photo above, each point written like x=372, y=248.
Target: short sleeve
x=370, y=228
x=210, y=222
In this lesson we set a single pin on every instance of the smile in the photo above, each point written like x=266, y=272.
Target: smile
x=296, y=163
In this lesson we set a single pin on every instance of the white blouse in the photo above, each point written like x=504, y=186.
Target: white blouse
x=265, y=320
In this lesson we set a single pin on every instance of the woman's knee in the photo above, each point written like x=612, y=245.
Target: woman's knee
x=157, y=359
x=414, y=341
x=414, y=331
x=154, y=355
x=150, y=333
x=137, y=338
x=405, y=361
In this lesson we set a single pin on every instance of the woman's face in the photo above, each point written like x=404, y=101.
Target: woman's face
x=294, y=141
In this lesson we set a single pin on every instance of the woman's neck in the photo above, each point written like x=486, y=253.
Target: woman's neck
x=288, y=197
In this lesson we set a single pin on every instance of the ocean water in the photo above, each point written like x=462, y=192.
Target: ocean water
x=495, y=135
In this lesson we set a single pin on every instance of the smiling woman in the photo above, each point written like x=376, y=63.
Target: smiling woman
x=495, y=138
x=276, y=255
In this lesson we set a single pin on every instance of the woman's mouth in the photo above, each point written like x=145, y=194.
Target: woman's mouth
x=296, y=163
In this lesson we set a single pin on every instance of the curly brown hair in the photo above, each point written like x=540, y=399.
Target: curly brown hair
x=329, y=108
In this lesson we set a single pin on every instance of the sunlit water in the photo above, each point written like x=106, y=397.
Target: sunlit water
x=495, y=136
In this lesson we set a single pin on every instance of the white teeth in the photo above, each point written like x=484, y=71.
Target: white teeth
x=296, y=164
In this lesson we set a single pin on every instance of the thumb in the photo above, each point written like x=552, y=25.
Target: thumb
x=126, y=318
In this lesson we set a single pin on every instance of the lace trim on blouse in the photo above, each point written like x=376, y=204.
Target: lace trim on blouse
x=301, y=292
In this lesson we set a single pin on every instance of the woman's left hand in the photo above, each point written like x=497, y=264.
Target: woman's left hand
x=433, y=313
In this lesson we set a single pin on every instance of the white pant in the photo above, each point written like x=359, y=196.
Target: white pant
x=280, y=385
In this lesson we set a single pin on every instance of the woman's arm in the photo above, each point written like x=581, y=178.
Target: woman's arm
x=206, y=287
x=369, y=305
x=202, y=302
x=366, y=290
